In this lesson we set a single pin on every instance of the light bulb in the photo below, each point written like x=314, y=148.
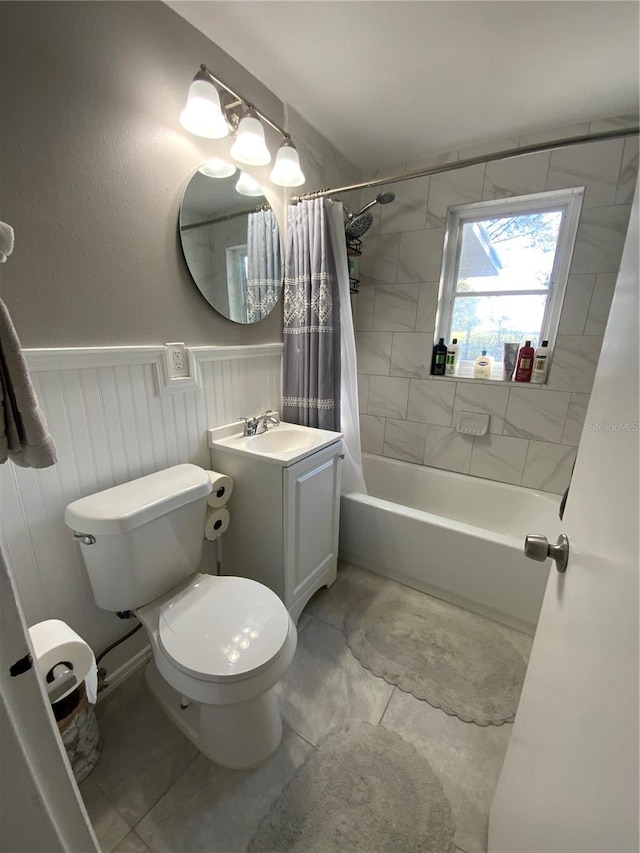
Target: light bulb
x=217, y=168
x=247, y=185
x=250, y=147
x=202, y=114
x=286, y=171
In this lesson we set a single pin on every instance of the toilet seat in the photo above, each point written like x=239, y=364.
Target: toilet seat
x=223, y=629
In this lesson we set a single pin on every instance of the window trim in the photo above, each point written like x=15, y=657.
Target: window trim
x=569, y=201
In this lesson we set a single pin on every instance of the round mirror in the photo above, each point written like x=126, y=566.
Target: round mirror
x=231, y=243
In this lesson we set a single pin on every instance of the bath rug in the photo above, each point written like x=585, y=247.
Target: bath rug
x=455, y=660
x=364, y=789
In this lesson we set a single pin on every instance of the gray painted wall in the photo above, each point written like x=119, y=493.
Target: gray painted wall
x=94, y=163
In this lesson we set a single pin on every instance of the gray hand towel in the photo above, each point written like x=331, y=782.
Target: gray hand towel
x=24, y=436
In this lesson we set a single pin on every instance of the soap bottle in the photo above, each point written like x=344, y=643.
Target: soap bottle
x=524, y=364
x=541, y=363
x=482, y=367
x=439, y=359
x=453, y=356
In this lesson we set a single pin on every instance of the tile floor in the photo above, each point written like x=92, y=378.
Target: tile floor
x=152, y=789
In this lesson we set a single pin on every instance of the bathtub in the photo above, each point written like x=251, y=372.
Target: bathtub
x=456, y=537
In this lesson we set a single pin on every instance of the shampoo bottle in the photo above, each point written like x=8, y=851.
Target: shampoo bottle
x=525, y=363
x=438, y=362
x=453, y=355
x=541, y=363
x=482, y=367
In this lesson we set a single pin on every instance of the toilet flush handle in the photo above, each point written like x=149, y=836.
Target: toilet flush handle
x=85, y=538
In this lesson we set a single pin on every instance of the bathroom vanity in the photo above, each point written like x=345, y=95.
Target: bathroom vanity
x=284, y=507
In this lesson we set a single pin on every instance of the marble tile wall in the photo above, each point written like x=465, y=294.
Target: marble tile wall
x=534, y=430
x=205, y=248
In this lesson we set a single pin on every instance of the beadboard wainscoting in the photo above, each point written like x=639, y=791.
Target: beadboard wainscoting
x=111, y=425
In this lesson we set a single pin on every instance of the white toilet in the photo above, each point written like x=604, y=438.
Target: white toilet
x=220, y=644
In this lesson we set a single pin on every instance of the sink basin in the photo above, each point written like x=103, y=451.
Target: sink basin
x=281, y=439
x=281, y=445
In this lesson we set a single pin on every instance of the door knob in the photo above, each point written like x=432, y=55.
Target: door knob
x=537, y=547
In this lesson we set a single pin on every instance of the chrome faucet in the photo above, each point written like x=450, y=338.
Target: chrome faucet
x=266, y=418
x=250, y=426
x=257, y=425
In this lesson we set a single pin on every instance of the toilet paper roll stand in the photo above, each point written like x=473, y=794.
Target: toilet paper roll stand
x=59, y=680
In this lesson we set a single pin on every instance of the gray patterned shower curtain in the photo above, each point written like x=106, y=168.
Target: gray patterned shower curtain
x=311, y=380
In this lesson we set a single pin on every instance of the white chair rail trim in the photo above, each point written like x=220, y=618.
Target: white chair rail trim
x=73, y=358
x=204, y=354
x=76, y=358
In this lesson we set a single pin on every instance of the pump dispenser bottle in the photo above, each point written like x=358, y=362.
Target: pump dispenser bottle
x=482, y=367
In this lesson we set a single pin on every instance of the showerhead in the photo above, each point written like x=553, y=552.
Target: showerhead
x=385, y=198
x=358, y=225
x=381, y=198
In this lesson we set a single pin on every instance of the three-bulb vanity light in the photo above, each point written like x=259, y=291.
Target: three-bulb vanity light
x=205, y=114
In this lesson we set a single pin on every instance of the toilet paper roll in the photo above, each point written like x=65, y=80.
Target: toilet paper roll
x=222, y=488
x=54, y=642
x=216, y=523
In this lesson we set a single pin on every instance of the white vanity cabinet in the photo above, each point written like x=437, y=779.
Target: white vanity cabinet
x=284, y=521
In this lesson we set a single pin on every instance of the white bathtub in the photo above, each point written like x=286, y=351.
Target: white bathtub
x=456, y=537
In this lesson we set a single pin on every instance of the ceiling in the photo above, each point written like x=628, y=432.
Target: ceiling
x=387, y=82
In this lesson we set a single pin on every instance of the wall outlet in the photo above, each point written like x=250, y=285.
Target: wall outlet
x=177, y=370
x=176, y=360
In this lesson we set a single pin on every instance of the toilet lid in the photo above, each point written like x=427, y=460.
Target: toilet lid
x=223, y=627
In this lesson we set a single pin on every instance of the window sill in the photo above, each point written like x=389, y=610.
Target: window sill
x=465, y=374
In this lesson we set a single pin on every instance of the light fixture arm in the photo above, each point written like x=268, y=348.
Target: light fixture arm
x=213, y=110
x=241, y=100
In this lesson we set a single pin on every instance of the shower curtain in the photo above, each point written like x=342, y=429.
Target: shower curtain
x=264, y=264
x=320, y=385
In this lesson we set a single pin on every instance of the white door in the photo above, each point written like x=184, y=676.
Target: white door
x=570, y=776
x=40, y=806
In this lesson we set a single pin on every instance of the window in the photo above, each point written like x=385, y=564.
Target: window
x=504, y=272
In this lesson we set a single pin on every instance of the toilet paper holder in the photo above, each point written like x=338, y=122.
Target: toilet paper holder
x=63, y=660
x=59, y=680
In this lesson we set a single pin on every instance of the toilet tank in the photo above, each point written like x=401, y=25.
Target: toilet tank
x=148, y=535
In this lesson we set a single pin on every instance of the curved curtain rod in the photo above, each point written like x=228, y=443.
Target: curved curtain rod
x=473, y=161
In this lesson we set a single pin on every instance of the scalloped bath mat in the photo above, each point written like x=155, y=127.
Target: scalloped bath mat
x=453, y=659
x=363, y=790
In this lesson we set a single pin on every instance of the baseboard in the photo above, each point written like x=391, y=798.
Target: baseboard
x=119, y=675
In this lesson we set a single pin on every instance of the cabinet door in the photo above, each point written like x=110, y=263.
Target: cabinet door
x=312, y=501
